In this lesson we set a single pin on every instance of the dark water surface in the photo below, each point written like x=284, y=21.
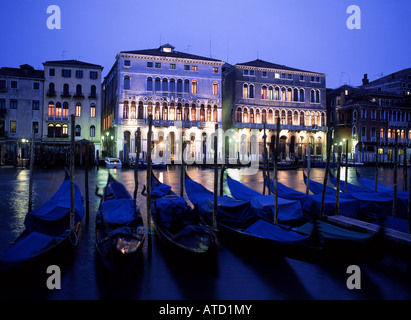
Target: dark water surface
x=236, y=274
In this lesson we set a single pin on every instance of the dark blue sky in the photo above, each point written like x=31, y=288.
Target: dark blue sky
x=306, y=34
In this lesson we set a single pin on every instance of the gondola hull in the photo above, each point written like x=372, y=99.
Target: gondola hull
x=120, y=233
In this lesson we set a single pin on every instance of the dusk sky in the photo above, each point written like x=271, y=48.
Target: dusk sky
x=306, y=34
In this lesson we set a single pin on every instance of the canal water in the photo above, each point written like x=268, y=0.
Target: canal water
x=236, y=273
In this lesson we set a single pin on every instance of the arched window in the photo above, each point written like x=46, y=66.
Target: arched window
x=179, y=112
x=186, y=86
x=194, y=87
x=245, y=115
x=264, y=94
x=295, y=118
x=238, y=114
x=50, y=130
x=78, y=130
x=65, y=130
x=149, y=84
x=295, y=98
x=165, y=111
x=317, y=96
x=208, y=113
x=289, y=118
x=165, y=85
x=126, y=83
x=93, y=91
x=125, y=110
x=302, y=95
x=133, y=110
x=289, y=94
x=65, y=110
x=245, y=91
x=179, y=86
x=172, y=85
x=149, y=108
x=215, y=114
x=92, y=110
x=58, y=110
x=251, y=91
x=277, y=93
x=276, y=116
x=92, y=131
x=78, y=109
x=322, y=123
x=202, y=113
x=283, y=117
x=283, y=95
x=302, y=119
x=270, y=117
x=157, y=84
x=193, y=112
x=172, y=112
x=257, y=116
x=382, y=133
x=186, y=112
x=312, y=99
x=251, y=115
x=52, y=90
x=264, y=116
x=215, y=88
x=157, y=111
x=140, y=113
x=66, y=89
x=270, y=93
x=79, y=90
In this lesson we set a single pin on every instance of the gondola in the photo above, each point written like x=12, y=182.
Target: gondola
x=238, y=220
x=177, y=224
x=120, y=232
x=47, y=229
x=329, y=233
x=371, y=206
x=398, y=223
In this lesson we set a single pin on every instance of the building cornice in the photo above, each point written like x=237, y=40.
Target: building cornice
x=169, y=59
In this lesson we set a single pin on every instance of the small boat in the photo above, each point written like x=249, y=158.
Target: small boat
x=330, y=234
x=371, y=206
x=240, y=221
x=47, y=229
x=177, y=224
x=120, y=232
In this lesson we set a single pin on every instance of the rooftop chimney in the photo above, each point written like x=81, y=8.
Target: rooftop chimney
x=365, y=80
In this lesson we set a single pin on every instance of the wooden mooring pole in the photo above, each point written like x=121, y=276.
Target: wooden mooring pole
x=277, y=145
x=138, y=147
x=215, y=179
x=307, y=191
x=31, y=172
x=394, y=202
x=86, y=181
x=327, y=169
x=149, y=133
x=337, y=193
x=72, y=154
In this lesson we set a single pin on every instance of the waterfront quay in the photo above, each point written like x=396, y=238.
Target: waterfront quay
x=234, y=274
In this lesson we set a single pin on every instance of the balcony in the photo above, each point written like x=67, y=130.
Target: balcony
x=289, y=127
x=78, y=96
x=51, y=93
x=398, y=124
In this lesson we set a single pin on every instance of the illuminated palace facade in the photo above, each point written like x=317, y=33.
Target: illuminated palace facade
x=259, y=92
x=181, y=91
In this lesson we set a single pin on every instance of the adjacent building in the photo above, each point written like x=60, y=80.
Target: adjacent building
x=70, y=87
x=257, y=93
x=398, y=82
x=21, y=101
x=372, y=121
x=181, y=91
